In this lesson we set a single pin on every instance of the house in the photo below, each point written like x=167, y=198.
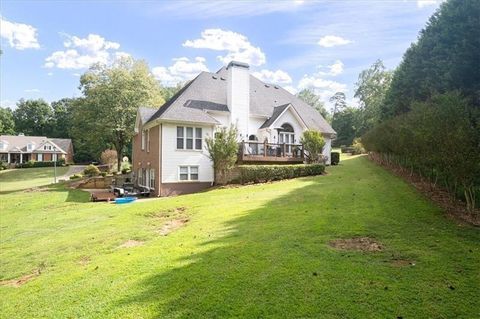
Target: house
x=169, y=154
x=21, y=149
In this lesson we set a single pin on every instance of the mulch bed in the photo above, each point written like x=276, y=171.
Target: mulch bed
x=453, y=208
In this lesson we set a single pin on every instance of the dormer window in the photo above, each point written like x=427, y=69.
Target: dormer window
x=47, y=147
x=29, y=147
x=2, y=145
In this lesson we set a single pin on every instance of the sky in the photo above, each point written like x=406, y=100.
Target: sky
x=322, y=45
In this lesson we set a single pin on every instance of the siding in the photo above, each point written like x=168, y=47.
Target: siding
x=173, y=158
x=143, y=159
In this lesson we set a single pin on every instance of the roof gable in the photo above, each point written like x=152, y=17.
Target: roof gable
x=208, y=92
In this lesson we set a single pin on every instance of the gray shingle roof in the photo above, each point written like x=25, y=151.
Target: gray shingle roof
x=16, y=143
x=146, y=113
x=277, y=111
x=208, y=91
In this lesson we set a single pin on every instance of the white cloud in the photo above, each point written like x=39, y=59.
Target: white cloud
x=331, y=70
x=81, y=53
x=426, y=3
x=20, y=36
x=329, y=41
x=183, y=69
x=277, y=77
x=237, y=46
x=50, y=73
x=8, y=104
x=32, y=91
x=323, y=88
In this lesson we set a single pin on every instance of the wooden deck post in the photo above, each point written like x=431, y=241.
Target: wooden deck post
x=264, y=149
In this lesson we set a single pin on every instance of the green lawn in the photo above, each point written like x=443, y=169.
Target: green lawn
x=17, y=179
x=253, y=252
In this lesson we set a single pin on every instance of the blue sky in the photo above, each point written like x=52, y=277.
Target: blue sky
x=318, y=44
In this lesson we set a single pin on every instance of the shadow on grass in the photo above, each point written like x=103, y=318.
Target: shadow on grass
x=73, y=195
x=275, y=261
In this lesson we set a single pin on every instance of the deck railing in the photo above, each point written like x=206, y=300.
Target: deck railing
x=258, y=151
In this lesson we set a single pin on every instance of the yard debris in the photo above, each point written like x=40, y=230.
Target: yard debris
x=84, y=260
x=356, y=243
x=172, y=225
x=17, y=282
x=131, y=243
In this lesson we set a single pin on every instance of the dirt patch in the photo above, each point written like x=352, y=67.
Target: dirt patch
x=35, y=190
x=131, y=243
x=172, y=225
x=402, y=263
x=17, y=282
x=84, y=260
x=356, y=243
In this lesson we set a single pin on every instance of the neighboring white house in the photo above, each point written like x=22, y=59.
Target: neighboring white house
x=169, y=153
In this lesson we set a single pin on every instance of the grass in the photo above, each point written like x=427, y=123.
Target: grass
x=17, y=179
x=257, y=252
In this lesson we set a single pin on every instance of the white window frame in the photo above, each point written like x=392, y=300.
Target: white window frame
x=184, y=137
x=40, y=157
x=148, y=141
x=189, y=173
x=54, y=157
x=143, y=140
x=152, y=179
x=139, y=177
x=29, y=147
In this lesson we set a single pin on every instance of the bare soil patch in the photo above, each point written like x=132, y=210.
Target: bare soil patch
x=357, y=243
x=17, y=282
x=402, y=262
x=84, y=260
x=172, y=225
x=131, y=243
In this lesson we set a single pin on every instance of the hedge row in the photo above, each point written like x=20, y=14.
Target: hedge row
x=265, y=173
x=31, y=164
x=439, y=140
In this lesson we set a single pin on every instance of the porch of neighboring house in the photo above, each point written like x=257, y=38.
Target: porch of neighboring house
x=253, y=152
x=19, y=158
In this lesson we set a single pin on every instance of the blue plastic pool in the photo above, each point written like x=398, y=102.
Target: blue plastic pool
x=124, y=200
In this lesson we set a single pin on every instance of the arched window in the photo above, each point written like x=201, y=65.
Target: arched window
x=287, y=128
x=252, y=138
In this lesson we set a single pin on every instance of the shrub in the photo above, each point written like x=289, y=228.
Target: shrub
x=222, y=150
x=32, y=163
x=3, y=165
x=103, y=174
x=357, y=147
x=266, y=173
x=438, y=140
x=335, y=158
x=313, y=143
x=126, y=167
x=91, y=170
x=109, y=157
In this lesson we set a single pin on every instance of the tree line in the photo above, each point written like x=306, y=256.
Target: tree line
x=430, y=114
x=102, y=118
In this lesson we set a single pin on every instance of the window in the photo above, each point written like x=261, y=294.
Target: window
x=143, y=140
x=184, y=173
x=189, y=138
x=54, y=157
x=40, y=157
x=29, y=147
x=47, y=147
x=2, y=145
x=198, y=138
x=139, y=177
x=152, y=178
x=148, y=140
x=188, y=173
x=180, y=137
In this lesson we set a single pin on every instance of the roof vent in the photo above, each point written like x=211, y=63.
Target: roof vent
x=222, y=78
x=21, y=134
x=214, y=77
x=267, y=86
x=276, y=86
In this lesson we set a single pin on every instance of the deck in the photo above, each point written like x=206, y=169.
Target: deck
x=256, y=152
